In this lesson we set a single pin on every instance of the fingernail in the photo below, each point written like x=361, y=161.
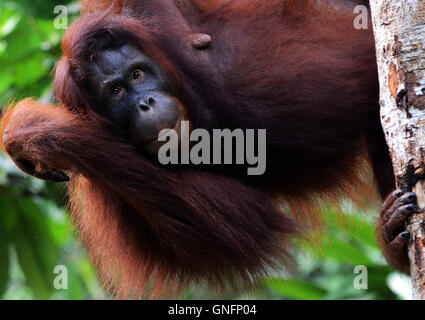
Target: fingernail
x=411, y=196
x=399, y=193
x=410, y=207
x=406, y=235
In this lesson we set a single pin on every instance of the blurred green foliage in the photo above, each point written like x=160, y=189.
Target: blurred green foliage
x=36, y=236
x=328, y=267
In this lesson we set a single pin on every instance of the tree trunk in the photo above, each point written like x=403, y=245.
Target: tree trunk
x=399, y=27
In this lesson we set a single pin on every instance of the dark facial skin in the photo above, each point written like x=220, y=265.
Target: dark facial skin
x=133, y=92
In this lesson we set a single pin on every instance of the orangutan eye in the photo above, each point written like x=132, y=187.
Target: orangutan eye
x=137, y=74
x=116, y=90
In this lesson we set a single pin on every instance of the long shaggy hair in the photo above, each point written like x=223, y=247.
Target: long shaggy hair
x=296, y=68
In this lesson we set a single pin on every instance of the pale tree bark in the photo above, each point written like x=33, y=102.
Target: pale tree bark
x=399, y=27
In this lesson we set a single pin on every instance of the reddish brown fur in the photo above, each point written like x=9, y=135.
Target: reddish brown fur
x=128, y=218
x=297, y=68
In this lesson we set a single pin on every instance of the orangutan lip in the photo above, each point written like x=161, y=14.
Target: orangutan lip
x=156, y=139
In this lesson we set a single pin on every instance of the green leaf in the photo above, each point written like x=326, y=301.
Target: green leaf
x=4, y=262
x=8, y=215
x=355, y=227
x=341, y=250
x=32, y=265
x=37, y=251
x=42, y=9
x=9, y=25
x=296, y=289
